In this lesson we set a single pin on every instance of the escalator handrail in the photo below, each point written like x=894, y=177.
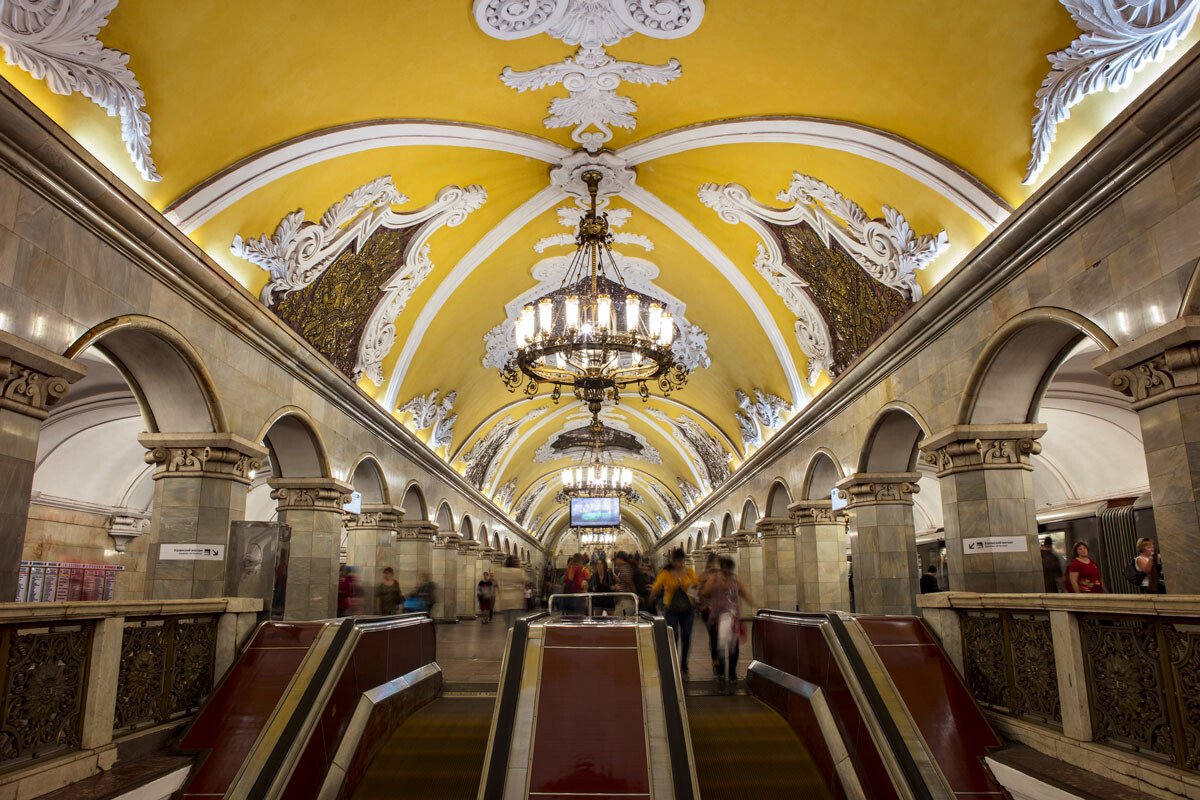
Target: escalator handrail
x=677, y=746
x=496, y=770
x=891, y=734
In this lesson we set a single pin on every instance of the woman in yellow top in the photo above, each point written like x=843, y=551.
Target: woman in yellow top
x=679, y=586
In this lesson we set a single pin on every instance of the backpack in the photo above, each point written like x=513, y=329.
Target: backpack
x=680, y=602
x=1133, y=574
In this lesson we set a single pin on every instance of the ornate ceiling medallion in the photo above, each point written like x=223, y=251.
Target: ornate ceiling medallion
x=759, y=415
x=823, y=233
x=55, y=41
x=300, y=254
x=1119, y=38
x=433, y=414
x=591, y=77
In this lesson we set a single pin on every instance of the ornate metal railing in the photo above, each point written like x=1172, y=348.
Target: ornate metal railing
x=1119, y=670
x=75, y=676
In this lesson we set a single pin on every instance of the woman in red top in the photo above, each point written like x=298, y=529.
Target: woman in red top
x=1083, y=574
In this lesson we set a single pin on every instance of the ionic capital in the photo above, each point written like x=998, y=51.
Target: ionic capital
x=383, y=516
x=32, y=378
x=880, y=488
x=209, y=455
x=817, y=512
x=420, y=530
x=1159, y=366
x=968, y=448
x=313, y=494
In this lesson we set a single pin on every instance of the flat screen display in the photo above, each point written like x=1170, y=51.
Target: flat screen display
x=595, y=512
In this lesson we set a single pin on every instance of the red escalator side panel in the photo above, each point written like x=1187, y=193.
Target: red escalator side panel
x=945, y=712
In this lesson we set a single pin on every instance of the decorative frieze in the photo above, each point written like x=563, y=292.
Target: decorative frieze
x=210, y=455
x=880, y=488
x=418, y=530
x=774, y=527
x=435, y=415
x=817, y=512
x=382, y=516
x=316, y=494
x=123, y=529
x=448, y=541
x=32, y=378
x=966, y=448
x=1159, y=366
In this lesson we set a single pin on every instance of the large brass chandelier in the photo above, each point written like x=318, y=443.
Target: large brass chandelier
x=593, y=335
x=598, y=477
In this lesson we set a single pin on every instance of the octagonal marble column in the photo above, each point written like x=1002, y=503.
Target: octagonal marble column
x=32, y=379
x=780, y=586
x=313, y=509
x=986, y=480
x=200, y=487
x=414, y=553
x=371, y=546
x=750, y=568
x=821, y=569
x=467, y=578
x=885, y=553
x=445, y=577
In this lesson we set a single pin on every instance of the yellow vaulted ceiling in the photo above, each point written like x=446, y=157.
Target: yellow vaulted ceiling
x=225, y=81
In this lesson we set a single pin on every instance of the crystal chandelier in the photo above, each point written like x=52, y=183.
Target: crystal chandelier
x=598, y=477
x=593, y=335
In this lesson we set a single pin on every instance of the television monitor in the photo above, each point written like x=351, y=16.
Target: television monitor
x=595, y=512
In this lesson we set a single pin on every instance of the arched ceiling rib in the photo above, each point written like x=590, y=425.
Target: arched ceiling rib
x=266, y=132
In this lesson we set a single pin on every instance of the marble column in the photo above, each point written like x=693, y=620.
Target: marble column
x=32, y=379
x=885, y=558
x=986, y=480
x=821, y=568
x=1160, y=374
x=445, y=577
x=200, y=486
x=780, y=583
x=313, y=509
x=414, y=553
x=371, y=546
x=750, y=569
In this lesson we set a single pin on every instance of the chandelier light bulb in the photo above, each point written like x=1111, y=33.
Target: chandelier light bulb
x=545, y=315
x=667, y=332
x=525, y=326
x=632, y=312
x=578, y=477
x=566, y=477
x=655, y=321
x=626, y=476
x=572, y=309
x=603, y=311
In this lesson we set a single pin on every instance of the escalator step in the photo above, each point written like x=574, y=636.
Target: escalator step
x=744, y=750
x=437, y=753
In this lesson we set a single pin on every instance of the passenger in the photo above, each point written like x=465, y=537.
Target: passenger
x=711, y=567
x=677, y=583
x=1083, y=574
x=1052, y=571
x=929, y=581
x=423, y=598
x=602, y=582
x=528, y=595
x=1150, y=565
x=575, y=581
x=387, y=594
x=725, y=593
x=510, y=582
x=349, y=596
x=486, y=593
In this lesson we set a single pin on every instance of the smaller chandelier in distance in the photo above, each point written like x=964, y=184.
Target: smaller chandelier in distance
x=599, y=478
x=592, y=537
x=593, y=335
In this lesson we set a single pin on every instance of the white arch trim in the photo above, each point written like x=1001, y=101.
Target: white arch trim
x=213, y=195
x=950, y=181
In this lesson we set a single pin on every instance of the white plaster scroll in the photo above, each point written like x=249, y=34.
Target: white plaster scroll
x=430, y=413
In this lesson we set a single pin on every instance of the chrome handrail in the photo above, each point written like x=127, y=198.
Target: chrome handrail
x=589, y=596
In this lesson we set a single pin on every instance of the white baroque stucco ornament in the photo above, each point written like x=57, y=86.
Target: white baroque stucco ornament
x=300, y=251
x=1119, y=38
x=691, y=495
x=704, y=448
x=758, y=414
x=55, y=41
x=430, y=413
x=482, y=460
x=504, y=495
x=591, y=76
x=887, y=249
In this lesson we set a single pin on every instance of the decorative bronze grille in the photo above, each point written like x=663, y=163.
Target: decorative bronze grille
x=1143, y=677
x=1008, y=661
x=166, y=669
x=44, y=680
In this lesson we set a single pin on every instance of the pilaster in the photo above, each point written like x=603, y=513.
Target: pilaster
x=821, y=568
x=200, y=485
x=32, y=379
x=371, y=546
x=986, y=479
x=885, y=557
x=313, y=509
x=1160, y=374
x=780, y=582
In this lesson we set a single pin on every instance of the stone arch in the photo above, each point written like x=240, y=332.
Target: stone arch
x=749, y=515
x=481, y=535
x=507, y=547
x=445, y=517
x=822, y=475
x=368, y=480
x=779, y=496
x=712, y=533
x=1019, y=360
x=466, y=528
x=294, y=445
x=495, y=540
x=414, y=504
x=691, y=544
x=166, y=374
x=727, y=525
x=892, y=442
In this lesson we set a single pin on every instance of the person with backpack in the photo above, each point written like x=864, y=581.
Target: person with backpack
x=679, y=586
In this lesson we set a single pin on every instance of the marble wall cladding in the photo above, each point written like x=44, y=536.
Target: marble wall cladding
x=821, y=566
x=312, y=563
x=780, y=581
x=414, y=563
x=885, y=559
x=370, y=550
x=190, y=510
x=56, y=534
x=752, y=573
x=445, y=578
x=467, y=578
x=979, y=504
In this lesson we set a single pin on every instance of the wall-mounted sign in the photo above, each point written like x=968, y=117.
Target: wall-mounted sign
x=996, y=544
x=191, y=552
x=65, y=581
